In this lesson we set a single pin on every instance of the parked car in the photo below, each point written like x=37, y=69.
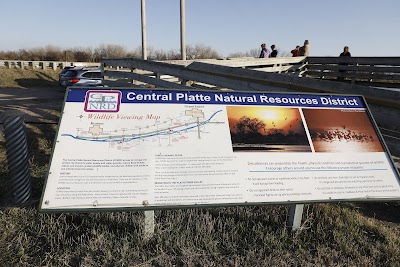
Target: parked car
x=81, y=77
x=64, y=70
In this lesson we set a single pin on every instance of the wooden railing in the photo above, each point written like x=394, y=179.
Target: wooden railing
x=255, y=75
x=371, y=71
x=277, y=65
x=150, y=72
x=285, y=73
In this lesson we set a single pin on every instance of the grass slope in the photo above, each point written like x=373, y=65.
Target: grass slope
x=25, y=78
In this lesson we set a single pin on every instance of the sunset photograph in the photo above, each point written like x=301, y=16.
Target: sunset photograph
x=341, y=130
x=268, y=129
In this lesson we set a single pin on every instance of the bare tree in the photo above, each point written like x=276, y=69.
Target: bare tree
x=83, y=54
x=254, y=52
x=7, y=55
x=197, y=51
x=38, y=53
x=284, y=53
x=52, y=52
x=136, y=53
x=173, y=54
x=110, y=51
x=24, y=54
x=251, y=53
x=200, y=51
x=249, y=125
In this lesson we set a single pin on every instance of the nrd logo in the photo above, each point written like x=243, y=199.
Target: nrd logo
x=102, y=101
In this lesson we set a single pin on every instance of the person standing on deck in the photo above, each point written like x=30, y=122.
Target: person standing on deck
x=305, y=49
x=345, y=53
x=264, y=51
x=296, y=52
x=274, y=52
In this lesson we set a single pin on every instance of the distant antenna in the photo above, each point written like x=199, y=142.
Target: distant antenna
x=144, y=46
x=183, y=30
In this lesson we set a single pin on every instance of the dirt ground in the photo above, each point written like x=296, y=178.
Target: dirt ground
x=37, y=104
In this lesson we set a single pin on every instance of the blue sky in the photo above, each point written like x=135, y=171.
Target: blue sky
x=369, y=28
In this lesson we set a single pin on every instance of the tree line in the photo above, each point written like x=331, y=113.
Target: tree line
x=88, y=54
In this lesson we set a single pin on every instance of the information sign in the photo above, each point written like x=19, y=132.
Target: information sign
x=126, y=149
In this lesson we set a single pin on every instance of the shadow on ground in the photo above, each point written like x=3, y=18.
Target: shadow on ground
x=37, y=104
x=26, y=83
x=383, y=211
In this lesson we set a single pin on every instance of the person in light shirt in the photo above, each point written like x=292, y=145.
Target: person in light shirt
x=305, y=49
x=264, y=51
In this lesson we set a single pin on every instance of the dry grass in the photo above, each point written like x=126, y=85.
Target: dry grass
x=24, y=78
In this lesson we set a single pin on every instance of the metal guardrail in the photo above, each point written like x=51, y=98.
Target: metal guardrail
x=54, y=65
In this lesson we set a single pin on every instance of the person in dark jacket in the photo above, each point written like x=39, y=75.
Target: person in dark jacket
x=274, y=52
x=345, y=52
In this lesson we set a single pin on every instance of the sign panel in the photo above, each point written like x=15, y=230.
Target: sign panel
x=126, y=149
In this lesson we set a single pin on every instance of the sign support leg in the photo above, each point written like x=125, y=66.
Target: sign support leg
x=148, y=224
x=295, y=215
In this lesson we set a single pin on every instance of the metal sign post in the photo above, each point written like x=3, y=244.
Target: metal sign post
x=148, y=224
x=295, y=216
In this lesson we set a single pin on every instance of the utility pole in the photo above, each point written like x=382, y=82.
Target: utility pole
x=183, y=30
x=148, y=214
x=144, y=46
